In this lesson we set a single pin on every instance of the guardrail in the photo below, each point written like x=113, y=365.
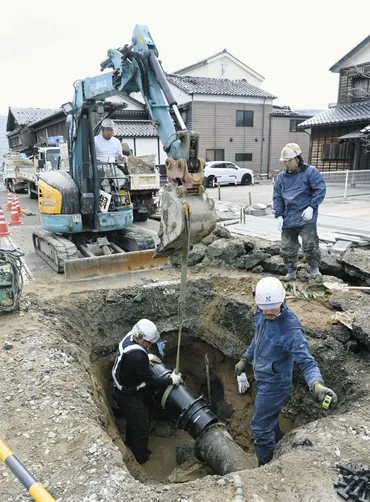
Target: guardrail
x=347, y=183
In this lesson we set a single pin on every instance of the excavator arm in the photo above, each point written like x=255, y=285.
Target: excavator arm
x=133, y=69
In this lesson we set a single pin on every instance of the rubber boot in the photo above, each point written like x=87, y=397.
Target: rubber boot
x=290, y=276
x=315, y=273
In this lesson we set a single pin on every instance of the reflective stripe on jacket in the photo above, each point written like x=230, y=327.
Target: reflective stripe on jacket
x=294, y=192
x=275, y=347
x=126, y=345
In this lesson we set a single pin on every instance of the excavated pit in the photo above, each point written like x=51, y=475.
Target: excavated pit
x=58, y=353
x=219, y=323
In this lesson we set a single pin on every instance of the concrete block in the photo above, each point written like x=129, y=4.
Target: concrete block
x=340, y=247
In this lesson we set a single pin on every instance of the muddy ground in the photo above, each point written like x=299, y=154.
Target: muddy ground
x=55, y=414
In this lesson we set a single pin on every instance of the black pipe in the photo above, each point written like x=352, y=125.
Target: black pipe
x=161, y=77
x=214, y=445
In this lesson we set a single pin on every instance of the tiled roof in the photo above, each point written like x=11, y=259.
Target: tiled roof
x=286, y=111
x=134, y=128
x=218, y=86
x=24, y=116
x=341, y=114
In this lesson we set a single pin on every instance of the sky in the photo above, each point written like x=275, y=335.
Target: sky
x=46, y=46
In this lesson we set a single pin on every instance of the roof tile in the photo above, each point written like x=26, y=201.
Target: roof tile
x=134, y=128
x=24, y=116
x=218, y=86
x=340, y=114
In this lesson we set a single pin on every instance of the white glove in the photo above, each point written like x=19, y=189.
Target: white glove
x=154, y=359
x=307, y=214
x=279, y=223
x=176, y=378
x=243, y=384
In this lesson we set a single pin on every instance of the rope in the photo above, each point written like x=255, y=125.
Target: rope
x=184, y=271
x=313, y=291
x=13, y=257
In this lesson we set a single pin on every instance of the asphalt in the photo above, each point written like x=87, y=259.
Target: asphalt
x=351, y=211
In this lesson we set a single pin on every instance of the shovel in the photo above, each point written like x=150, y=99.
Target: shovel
x=336, y=286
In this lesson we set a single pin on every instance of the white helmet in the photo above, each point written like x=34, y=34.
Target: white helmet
x=107, y=123
x=290, y=151
x=270, y=293
x=146, y=330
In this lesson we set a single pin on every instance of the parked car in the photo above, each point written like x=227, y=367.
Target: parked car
x=225, y=173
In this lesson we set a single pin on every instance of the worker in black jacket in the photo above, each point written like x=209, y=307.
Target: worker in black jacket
x=134, y=383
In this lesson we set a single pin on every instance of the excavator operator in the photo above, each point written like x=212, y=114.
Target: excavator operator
x=107, y=147
x=133, y=384
x=108, y=151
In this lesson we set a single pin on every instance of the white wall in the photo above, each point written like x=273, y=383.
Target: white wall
x=224, y=67
x=146, y=146
x=363, y=56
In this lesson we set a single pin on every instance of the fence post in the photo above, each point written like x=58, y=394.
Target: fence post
x=346, y=184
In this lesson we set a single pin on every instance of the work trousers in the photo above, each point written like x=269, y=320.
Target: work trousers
x=138, y=409
x=270, y=400
x=310, y=244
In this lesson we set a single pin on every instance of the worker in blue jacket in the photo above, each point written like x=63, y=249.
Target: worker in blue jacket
x=298, y=192
x=279, y=341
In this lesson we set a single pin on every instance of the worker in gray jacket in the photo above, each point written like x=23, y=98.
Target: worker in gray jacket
x=298, y=192
x=279, y=341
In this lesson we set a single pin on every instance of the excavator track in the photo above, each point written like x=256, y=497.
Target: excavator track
x=54, y=249
x=134, y=239
x=63, y=255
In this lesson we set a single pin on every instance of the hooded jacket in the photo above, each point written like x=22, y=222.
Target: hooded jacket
x=294, y=192
x=277, y=344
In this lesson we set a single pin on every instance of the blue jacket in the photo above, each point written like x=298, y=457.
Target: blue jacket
x=275, y=347
x=294, y=192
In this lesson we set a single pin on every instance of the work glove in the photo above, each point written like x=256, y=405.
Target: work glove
x=279, y=223
x=320, y=391
x=307, y=214
x=243, y=384
x=154, y=359
x=176, y=378
x=241, y=366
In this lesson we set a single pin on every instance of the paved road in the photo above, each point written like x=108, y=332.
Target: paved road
x=356, y=207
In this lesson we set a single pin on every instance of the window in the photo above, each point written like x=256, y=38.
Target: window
x=360, y=88
x=243, y=157
x=337, y=151
x=244, y=118
x=212, y=155
x=293, y=126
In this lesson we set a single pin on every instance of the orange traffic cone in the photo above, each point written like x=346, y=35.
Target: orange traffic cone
x=3, y=228
x=10, y=200
x=18, y=206
x=14, y=216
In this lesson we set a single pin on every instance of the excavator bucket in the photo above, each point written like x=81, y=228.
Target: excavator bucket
x=120, y=263
x=176, y=201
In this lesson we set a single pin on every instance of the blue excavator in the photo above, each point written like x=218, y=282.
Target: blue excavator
x=86, y=213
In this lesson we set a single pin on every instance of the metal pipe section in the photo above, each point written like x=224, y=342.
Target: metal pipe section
x=214, y=445
x=35, y=489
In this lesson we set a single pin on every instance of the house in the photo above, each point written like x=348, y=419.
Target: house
x=30, y=127
x=237, y=121
x=20, y=138
x=336, y=139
